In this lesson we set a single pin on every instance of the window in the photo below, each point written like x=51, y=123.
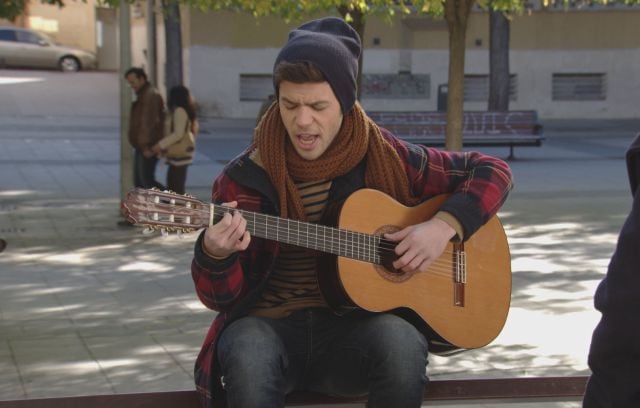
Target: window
x=476, y=88
x=255, y=87
x=579, y=87
x=7, y=35
x=28, y=37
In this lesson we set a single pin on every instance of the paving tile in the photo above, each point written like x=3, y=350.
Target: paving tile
x=42, y=360
x=137, y=363
x=10, y=379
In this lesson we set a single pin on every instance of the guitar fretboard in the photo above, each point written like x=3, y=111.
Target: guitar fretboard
x=340, y=242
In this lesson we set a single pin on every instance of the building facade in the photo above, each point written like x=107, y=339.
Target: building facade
x=577, y=63
x=563, y=64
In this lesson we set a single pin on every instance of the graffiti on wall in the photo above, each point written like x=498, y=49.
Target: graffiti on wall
x=396, y=86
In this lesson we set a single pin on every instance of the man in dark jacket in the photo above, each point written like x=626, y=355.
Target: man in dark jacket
x=614, y=356
x=275, y=331
x=146, y=127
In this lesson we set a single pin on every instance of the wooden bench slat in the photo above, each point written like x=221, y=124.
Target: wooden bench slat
x=529, y=389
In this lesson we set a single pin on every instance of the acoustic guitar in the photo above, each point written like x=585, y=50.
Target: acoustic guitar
x=463, y=297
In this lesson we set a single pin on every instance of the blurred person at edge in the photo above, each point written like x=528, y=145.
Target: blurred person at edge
x=614, y=354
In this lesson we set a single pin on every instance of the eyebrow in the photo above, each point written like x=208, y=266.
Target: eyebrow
x=314, y=103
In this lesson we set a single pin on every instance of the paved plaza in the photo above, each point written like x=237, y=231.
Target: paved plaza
x=88, y=307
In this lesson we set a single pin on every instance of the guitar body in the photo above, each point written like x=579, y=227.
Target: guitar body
x=467, y=313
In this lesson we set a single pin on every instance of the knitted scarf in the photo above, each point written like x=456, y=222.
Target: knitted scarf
x=358, y=137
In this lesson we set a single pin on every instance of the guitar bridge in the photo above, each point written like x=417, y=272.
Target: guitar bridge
x=460, y=273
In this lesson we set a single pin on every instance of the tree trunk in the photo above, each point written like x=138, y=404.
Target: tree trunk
x=152, y=54
x=173, y=42
x=456, y=14
x=358, y=24
x=124, y=46
x=498, y=62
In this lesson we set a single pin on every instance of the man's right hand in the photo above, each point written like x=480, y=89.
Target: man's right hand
x=228, y=235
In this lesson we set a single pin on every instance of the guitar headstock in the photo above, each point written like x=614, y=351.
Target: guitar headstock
x=165, y=210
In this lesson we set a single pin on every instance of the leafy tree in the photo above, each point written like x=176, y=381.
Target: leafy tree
x=11, y=9
x=499, y=78
x=173, y=43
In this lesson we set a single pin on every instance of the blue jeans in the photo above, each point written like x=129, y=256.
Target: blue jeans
x=144, y=171
x=382, y=355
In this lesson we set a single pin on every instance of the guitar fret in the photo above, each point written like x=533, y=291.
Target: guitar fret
x=375, y=250
x=354, y=240
x=324, y=239
x=316, y=245
x=345, y=244
x=368, y=249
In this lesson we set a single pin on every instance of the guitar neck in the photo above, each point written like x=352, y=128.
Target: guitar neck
x=340, y=242
x=170, y=211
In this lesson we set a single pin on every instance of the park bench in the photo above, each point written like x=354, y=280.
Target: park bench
x=523, y=389
x=480, y=128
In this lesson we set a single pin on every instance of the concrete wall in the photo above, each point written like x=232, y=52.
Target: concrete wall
x=224, y=45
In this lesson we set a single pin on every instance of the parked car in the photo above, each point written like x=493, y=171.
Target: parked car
x=21, y=47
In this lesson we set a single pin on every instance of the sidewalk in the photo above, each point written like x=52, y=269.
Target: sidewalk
x=88, y=307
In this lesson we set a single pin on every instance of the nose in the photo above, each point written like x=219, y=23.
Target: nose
x=304, y=117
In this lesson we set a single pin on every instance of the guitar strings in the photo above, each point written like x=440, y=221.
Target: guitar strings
x=363, y=245
x=367, y=247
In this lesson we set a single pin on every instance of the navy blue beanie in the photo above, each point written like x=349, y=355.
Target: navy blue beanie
x=332, y=46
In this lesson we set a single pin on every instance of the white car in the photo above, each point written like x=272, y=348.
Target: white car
x=21, y=47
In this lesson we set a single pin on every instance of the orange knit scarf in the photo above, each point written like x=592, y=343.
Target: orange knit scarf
x=358, y=137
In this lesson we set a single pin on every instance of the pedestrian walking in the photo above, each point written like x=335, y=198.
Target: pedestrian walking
x=178, y=144
x=146, y=128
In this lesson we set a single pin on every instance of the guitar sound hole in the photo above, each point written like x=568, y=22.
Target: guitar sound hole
x=387, y=257
x=386, y=249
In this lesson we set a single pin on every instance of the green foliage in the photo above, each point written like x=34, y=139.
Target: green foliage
x=11, y=9
x=517, y=6
x=296, y=10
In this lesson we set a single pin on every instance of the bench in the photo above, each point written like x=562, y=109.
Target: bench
x=480, y=128
x=524, y=389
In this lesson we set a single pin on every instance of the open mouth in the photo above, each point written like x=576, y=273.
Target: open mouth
x=307, y=141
